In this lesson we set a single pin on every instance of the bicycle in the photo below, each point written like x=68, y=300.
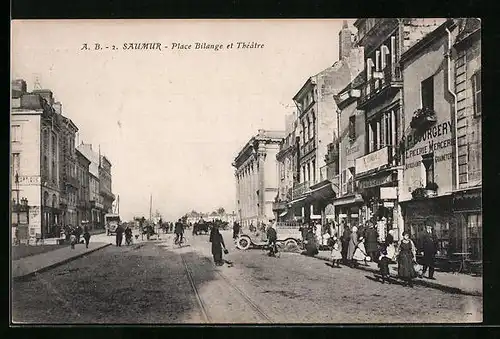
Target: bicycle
x=180, y=241
x=277, y=254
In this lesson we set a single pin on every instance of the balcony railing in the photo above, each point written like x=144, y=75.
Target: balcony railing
x=308, y=147
x=300, y=189
x=390, y=77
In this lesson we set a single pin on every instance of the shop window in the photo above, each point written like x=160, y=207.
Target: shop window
x=475, y=235
x=352, y=128
x=428, y=161
x=427, y=91
x=476, y=91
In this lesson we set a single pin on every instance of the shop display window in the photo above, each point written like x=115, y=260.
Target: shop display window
x=474, y=235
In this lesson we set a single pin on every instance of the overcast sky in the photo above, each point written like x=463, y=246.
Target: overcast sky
x=171, y=122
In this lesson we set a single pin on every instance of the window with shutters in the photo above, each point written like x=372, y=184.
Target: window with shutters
x=476, y=92
x=16, y=133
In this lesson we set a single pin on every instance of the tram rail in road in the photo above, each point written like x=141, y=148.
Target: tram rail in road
x=204, y=308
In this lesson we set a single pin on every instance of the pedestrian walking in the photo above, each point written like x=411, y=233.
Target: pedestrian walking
x=119, y=235
x=79, y=232
x=353, y=244
x=86, y=237
x=336, y=251
x=371, y=242
x=72, y=240
x=217, y=245
x=383, y=265
x=236, y=230
x=311, y=242
x=272, y=237
x=406, y=258
x=429, y=250
x=346, y=237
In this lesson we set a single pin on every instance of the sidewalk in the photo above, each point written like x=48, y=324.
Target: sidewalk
x=40, y=262
x=449, y=282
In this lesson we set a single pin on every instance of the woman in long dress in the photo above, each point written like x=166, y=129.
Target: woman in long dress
x=406, y=258
x=353, y=244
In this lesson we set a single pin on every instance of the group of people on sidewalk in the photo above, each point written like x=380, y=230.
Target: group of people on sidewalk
x=74, y=234
x=354, y=247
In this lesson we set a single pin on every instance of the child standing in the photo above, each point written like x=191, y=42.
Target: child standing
x=383, y=264
x=336, y=251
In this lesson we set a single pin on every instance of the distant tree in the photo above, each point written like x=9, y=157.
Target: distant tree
x=221, y=211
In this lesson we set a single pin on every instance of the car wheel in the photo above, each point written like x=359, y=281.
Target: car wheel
x=244, y=243
x=291, y=244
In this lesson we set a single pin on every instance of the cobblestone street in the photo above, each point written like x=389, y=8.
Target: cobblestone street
x=149, y=283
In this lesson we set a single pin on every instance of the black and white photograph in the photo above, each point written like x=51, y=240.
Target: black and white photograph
x=246, y=171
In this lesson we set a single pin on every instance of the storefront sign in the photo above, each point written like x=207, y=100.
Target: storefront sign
x=389, y=204
x=388, y=193
x=467, y=201
x=376, y=181
x=373, y=160
x=433, y=132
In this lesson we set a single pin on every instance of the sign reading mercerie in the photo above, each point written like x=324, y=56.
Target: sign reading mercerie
x=372, y=160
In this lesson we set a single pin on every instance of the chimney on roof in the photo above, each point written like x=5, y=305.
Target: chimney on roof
x=18, y=88
x=57, y=107
x=345, y=41
x=46, y=94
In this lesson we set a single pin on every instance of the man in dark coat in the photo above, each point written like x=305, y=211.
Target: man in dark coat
x=236, y=230
x=371, y=242
x=429, y=247
x=346, y=237
x=119, y=235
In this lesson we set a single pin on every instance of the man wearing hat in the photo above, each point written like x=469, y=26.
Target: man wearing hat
x=429, y=247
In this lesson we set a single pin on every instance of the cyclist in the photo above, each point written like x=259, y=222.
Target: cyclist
x=272, y=237
x=179, y=231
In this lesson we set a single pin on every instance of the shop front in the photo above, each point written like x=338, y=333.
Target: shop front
x=436, y=212
x=467, y=208
x=380, y=197
x=349, y=211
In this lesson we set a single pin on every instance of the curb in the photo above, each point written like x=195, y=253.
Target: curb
x=46, y=268
x=420, y=282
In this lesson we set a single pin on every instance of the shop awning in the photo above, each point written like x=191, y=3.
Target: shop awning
x=324, y=192
x=351, y=199
x=297, y=201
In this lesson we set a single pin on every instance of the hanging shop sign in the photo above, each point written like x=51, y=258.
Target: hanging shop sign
x=372, y=161
x=389, y=204
x=388, y=193
x=375, y=181
x=28, y=180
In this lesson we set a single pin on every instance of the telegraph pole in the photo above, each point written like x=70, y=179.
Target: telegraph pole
x=150, y=205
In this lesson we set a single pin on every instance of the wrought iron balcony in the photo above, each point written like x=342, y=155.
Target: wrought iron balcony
x=381, y=82
x=71, y=181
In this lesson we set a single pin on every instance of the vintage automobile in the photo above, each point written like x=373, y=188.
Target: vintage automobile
x=289, y=237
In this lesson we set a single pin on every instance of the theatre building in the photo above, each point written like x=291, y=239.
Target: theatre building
x=429, y=140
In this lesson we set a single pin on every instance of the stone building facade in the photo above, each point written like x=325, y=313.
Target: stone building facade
x=257, y=178
x=83, y=201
